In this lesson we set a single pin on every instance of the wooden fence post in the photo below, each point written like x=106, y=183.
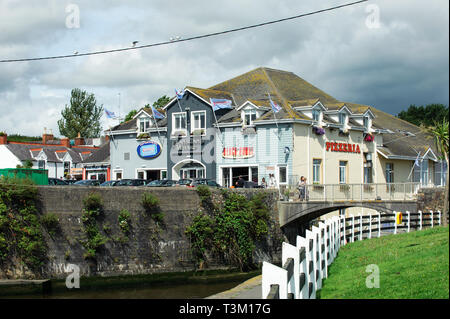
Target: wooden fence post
x=303, y=248
x=439, y=214
x=353, y=228
x=420, y=220
x=379, y=225
x=370, y=226
x=395, y=222
x=360, y=227
x=431, y=212
x=409, y=220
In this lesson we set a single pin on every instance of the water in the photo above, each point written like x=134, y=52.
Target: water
x=175, y=291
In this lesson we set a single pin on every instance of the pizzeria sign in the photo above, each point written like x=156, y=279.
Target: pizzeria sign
x=342, y=147
x=237, y=152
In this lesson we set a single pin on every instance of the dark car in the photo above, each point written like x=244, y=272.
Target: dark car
x=56, y=181
x=131, y=182
x=71, y=181
x=162, y=183
x=184, y=182
x=204, y=181
x=109, y=183
x=87, y=182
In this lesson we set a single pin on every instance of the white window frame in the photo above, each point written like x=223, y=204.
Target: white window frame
x=389, y=172
x=115, y=171
x=249, y=112
x=174, y=129
x=193, y=127
x=316, y=111
x=343, y=169
x=318, y=170
x=144, y=120
x=343, y=118
x=279, y=175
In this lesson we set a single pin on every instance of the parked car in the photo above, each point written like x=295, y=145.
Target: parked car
x=109, y=183
x=204, y=181
x=131, y=182
x=162, y=183
x=71, y=181
x=56, y=181
x=87, y=182
x=184, y=182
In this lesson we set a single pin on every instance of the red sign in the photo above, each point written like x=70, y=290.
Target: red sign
x=237, y=152
x=342, y=147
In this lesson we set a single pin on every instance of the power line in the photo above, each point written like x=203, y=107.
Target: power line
x=183, y=40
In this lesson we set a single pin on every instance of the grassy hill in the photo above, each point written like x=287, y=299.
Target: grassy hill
x=411, y=265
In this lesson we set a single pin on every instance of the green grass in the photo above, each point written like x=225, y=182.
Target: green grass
x=411, y=266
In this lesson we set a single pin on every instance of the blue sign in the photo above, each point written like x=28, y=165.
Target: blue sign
x=149, y=150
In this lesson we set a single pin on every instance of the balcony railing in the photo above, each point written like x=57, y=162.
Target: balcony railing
x=362, y=192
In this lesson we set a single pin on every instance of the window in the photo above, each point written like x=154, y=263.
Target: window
x=389, y=172
x=198, y=122
x=179, y=122
x=440, y=173
x=163, y=174
x=249, y=117
x=342, y=118
x=424, y=172
x=316, y=115
x=126, y=156
x=144, y=124
x=317, y=165
x=282, y=173
x=41, y=164
x=366, y=122
x=342, y=172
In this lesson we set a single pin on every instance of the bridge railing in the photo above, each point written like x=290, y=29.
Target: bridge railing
x=305, y=265
x=362, y=192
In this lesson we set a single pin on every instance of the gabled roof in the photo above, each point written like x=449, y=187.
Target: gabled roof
x=99, y=156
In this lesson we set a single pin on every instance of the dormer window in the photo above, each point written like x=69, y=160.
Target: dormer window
x=316, y=115
x=144, y=124
x=366, y=123
x=249, y=117
x=342, y=118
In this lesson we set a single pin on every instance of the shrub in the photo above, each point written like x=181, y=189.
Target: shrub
x=150, y=202
x=51, y=222
x=124, y=221
x=93, y=202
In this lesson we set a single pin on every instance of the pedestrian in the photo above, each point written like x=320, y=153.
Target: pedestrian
x=263, y=183
x=302, y=188
x=272, y=181
x=240, y=182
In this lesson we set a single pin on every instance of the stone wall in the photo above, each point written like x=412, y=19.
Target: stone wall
x=150, y=247
x=431, y=199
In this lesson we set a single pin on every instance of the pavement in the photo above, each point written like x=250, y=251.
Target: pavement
x=250, y=289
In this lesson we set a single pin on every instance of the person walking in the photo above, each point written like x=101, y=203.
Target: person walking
x=272, y=182
x=302, y=188
x=240, y=182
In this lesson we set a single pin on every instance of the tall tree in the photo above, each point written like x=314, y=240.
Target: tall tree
x=82, y=116
x=440, y=133
x=420, y=115
x=130, y=115
x=161, y=102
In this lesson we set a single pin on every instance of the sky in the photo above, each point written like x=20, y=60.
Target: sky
x=382, y=53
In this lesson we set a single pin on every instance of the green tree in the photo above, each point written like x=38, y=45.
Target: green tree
x=82, y=116
x=420, y=115
x=130, y=115
x=440, y=133
x=161, y=102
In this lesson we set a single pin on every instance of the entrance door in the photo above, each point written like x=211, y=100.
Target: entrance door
x=152, y=175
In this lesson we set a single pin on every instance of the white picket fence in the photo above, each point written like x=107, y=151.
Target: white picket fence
x=305, y=265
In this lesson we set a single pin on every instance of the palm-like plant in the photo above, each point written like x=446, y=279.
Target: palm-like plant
x=440, y=133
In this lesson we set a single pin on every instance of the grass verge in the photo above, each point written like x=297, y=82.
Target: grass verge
x=411, y=266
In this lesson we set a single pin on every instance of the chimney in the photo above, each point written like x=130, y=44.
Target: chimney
x=79, y=140
x=47, y=136
x=65, y=142
x=3, y=138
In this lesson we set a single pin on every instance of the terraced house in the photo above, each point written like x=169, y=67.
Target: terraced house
x=312, y=134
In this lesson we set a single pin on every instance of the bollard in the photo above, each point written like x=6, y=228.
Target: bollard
x=420, y=220
x=409, y=220
x=379, y=225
